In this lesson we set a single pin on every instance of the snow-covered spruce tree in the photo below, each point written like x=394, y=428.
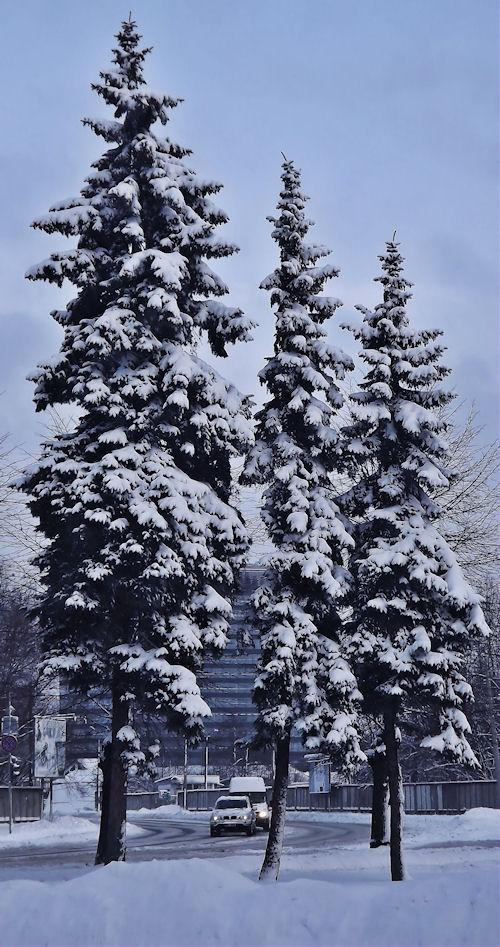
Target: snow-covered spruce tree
x=413, y=612
x=302, y=678
x=142, y=544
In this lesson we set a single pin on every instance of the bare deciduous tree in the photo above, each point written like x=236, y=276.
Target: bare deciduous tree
x=471, y=503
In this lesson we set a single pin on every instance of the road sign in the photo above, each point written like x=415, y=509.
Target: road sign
x=9, y=743
x=10, y=725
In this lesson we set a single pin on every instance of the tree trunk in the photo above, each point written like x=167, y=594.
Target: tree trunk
x=271, y=864
x=111, y=844
x=380, y=799
x=104, y=764
x=396, y=797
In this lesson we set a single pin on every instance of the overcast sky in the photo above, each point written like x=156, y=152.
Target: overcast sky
x=389, y=107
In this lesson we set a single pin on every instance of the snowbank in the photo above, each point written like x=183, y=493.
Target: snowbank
x=479, y=825
x=211, y=904
x=64, y=828
x=176, y=813
x=339, y=896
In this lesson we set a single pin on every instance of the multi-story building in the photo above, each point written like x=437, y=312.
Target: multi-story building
x=226, y=684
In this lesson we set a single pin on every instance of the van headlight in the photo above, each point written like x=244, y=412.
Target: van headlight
x=215, y=818
x=262, y=814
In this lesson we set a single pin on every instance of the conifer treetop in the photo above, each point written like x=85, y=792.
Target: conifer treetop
x=395, y=410
x=297, y=273
x=143, y=212
x=302, y=375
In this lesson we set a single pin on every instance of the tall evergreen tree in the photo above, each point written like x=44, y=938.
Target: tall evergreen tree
x=413, y=611
x=303, y=679
x=142, y=542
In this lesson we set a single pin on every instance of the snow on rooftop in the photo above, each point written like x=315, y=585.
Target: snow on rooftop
x=247, y=784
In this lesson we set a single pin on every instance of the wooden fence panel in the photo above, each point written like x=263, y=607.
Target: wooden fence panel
x=143, y=800
x=319, y=801
x=200, y=798
x=459, y=796
x=418, y=797
x=297, y=797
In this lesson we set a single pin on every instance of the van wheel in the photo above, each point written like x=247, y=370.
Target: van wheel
x=213, y=832
x=265, y=827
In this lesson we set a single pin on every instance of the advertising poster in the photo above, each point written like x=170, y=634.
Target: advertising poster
x=50, y=741
x=319, y=777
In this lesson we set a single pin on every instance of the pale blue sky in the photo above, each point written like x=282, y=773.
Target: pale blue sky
x=389, y=107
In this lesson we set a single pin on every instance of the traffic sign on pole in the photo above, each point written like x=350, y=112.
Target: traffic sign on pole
x=9, y=743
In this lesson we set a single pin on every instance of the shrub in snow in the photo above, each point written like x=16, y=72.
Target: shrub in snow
x=134, y=500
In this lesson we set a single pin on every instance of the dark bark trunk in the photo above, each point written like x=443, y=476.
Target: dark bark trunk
x=271, y=864
x=104, y=764
x=396, y=798
x=111, y=844
x=380, y=799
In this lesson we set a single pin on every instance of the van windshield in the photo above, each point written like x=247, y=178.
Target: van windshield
x=234, y=803
x=257, y=796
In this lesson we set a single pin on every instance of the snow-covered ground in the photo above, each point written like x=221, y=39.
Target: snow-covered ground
x=63, y=828
x=340, y=897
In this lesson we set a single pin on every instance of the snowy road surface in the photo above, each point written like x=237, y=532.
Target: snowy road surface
x=161, y=838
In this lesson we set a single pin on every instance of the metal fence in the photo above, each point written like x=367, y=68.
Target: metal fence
x=419, y=797
x=27, y=803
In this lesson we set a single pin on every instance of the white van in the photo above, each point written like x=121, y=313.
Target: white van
x=255, y=788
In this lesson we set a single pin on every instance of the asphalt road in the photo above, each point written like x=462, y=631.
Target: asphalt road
x=163, y=839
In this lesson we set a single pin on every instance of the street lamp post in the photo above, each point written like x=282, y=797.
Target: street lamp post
x=184, y=781
x=9, y=731
x=97, y=775
x=206, y=762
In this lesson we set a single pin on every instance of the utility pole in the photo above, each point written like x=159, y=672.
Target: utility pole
x=9, y=731
x=184, y=782
x=51, y=798
x=9, y=767
x=97, y=775
x=206, y=762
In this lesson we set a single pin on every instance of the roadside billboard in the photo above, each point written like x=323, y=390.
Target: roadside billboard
x=319, y=776
x=50, y=746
